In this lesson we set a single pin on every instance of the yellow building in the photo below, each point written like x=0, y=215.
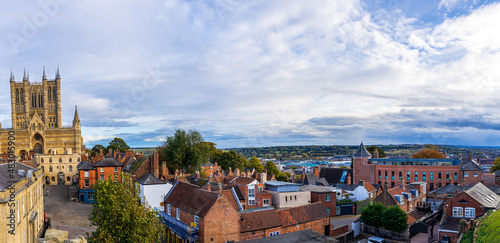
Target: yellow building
x=36, y=119
x=21, y=203
x=59, y=169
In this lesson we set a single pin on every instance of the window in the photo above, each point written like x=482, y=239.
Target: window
x=86, y=174
x=466, y=174
x=251, y=202
x=416, y=175
x=102, y=177
x=91, y=196
x=42, y=160
x=60, y=160
x=169, y=210
x=455, y=175
x=274, y=233
x=439, y=175
x=101, y=169
x=423, y=176
x=380, y=174
x=251, y=192
x=392, y=175
x=70, y=168
x=400, y=175
x=50, y=160
x=328, y=209
x=87, y=183
x=116, y=169
x=178, y=216
x=458, y=212
x=43, y=169
x=70, y=160
x=386, y=174
x=447, y=175
x=470, y=212
x=408, y=176
x=196, y=220
x=432, y=175
x=266, y=202
x=259, y=189
x=475, y=174
x=327, y=198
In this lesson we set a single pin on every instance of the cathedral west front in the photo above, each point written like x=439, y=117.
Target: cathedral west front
x=39, y=133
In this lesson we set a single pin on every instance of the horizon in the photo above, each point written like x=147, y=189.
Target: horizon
x=264, y=74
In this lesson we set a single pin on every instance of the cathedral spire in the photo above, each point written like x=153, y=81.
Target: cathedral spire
x=57, y=72
x=12, y=79
x=76, y=118
x=44, y=76
x=25, y=78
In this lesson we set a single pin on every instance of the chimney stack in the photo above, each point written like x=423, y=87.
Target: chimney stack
x=385, y=186
x=316, y=171
x=362, y=183
x=375, y=154
x=164, y=169
x=348, y=179
x=263, y=178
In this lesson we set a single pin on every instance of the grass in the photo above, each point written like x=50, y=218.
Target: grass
x=489, y=230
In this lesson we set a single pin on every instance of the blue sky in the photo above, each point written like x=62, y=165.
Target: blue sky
x=264, y=73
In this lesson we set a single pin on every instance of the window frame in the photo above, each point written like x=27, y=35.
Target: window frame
x=467, y=212
x=458, y=212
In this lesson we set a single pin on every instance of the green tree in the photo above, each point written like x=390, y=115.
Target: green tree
x=372, y=214
x=381, y=152
x=256, y=164
x=117, y=144
x=431, y=147
x=231, y=159
x=496, y=165
x=186, y=150
x=119, y=216
x=271, y=168
x=97, y=149
x=394, y=218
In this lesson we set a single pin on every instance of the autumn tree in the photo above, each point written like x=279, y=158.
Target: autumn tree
x=428, y=154
x=119, y=216
x=255, y=163
x=496, y=165
x=117, y=144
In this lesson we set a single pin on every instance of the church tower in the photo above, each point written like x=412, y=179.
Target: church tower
x=362, y=170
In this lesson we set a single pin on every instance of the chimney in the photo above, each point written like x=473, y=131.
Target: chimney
x=402, y=182
x=156, y=164
x=110, y=152
x=375, y=154
x=236, y=172
x=362, y=183
x=100, y=151
x=385, y=186
x=164, y=169
x=215, y=164
x=316, y=171
x=348, y=179
x=462, y=184
x=263, y=178
x=457, y=192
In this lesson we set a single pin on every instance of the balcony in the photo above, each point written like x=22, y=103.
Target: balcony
x=184, y=230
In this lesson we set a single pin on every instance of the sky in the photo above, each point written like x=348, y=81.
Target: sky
x=264, y=73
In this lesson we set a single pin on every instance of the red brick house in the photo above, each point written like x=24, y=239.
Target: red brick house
x=259, y=223
x=469, y=205
x=312, y=216
x=326, y=195
x=253, y=192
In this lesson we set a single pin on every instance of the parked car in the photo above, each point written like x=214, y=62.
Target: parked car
x=374, y=239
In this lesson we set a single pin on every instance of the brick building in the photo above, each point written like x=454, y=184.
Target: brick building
x=88, y=174
x=311, y=216
x=326, y=195
x=285, y=194
x=259, y=223
x=469, y=205
x=253, y=192
x=436, y=172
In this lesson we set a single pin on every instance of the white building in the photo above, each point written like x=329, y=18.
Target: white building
x=153, y=191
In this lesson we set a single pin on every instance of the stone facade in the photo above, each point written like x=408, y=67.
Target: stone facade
x=290, y=199
x=36, y=120
x=59, y=169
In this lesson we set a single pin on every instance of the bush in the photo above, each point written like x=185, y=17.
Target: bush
x=372, y=215
x=395, y=219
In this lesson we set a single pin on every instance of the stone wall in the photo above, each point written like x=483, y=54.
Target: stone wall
x=59, y=236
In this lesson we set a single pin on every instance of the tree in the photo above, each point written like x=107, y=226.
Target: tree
x=428, y=154
x=271, y=168
x=431, y=147
x=97, y=149
x=231, y=159
x=496, y=165
x=185, y=150
x=117, y=144
x=372, y=214
x=394, y=218
x=119, y=216
x=381, y=152
x=256, y=164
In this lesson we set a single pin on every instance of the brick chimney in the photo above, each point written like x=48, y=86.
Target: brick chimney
x=316, y=171
x=236, y=172
x=348, y=179
x=155, y=169
x=402, y=182
x=375, y=154
x=100, y=151
x=129, y=153
x=263, y=178
x=362, y=183
x=164, y=169
x=110, y=152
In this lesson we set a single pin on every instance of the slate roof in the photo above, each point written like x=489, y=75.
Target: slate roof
x=312, y=179
x=191, y=198
x=243, y=180
x=414, y=215
x=301, y=236
x=484, y=195
x=6, y=181
x=252, y=220
x=149, y=179
x=448, y=189
x=108, y=161
x=138, y=163
x=302, y=214
x=470, y=165
x=237, y=190
x=362, y=152
x=350, y=187
x=85, y=165
x=334, y=175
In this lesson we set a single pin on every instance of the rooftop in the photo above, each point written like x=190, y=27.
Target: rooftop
x=318, y=189
x=6, y=181
x=259, y=219
x=280, y=183
x=108, y=161
x=421, y=162
x=301, y=236
x=149, y=179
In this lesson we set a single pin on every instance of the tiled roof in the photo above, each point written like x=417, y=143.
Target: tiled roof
x=6, y=181
x=334, y=175
x=312, y=179
x=452, y=223
x=85, y=165
x=108, y=161
x=369, y=187
x=484, y=195
x=191, y=198
x=243, y=180
x=228, y=194
x=149, y=179
x=362, y=152
x=470, y=165
x=259, y=220
x=302, y=214
x=414, y=215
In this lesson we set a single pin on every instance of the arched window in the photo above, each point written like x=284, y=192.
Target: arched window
x=78, y=159
x=50, y=160
x=42, y=160
x=50, y=169
x=60, y=160
x=53, y=178
x=68, y=179
x=70, y=168
x=70, y=160
x=43, y=169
